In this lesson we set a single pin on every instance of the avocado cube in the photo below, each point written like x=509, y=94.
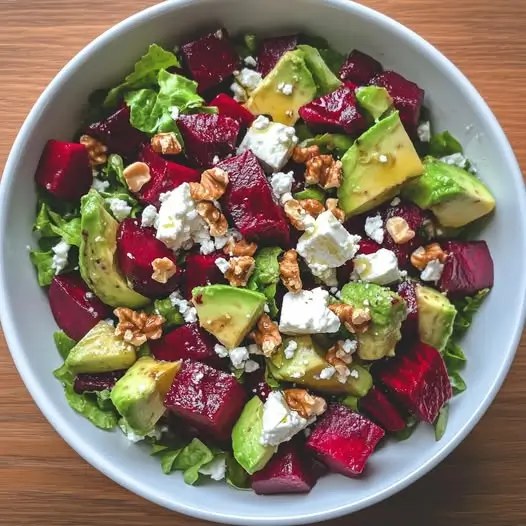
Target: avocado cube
x=374, y=100
x=325, y=79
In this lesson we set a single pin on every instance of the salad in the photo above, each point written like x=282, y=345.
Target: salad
x=257, y=252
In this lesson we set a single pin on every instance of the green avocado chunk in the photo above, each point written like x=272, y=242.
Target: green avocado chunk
x=326, y=80
x=374, y=100
x=248, y=451
x=100, y=352
x=387, y=310
x=97, y=258
x=455, y=196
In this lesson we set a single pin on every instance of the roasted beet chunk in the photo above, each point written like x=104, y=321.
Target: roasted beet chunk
x=272, y=49
x=407, y=290
x=96, y=382
x=201, y=270
x=208, y=399
x=165, y=176
x=378, y=407
x=75, y=308
x=137, y=249
x=188, y=341
x=406, y=95
x=335, y=112
x=64, y=170
x=117, y=134
x=359, y=68
x=230, y=108
x=417, y=380
x=208, y=136
x=255, y=384
x=249, y=202
x=468, y=268
x=211, y=59
x=344, y=440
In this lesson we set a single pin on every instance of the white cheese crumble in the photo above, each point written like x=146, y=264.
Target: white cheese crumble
x=455, y=159
x=100, y=186
x=396, y=201
x=187, y=310
x=261, y=122
x=248, y=79
x=290, y=349
x=216, y=468
x=374, y=228
x=240, y=95
x=433, y=271
x=380, y=268
x=327, y=373
x=238, y=357
x=354, y=374
x=349, y=346
x=119, y=208
x=149, y=216
x=220, y=350
x=250, y=61
x=282, y=184
x=174, y=112
x=222, y=264
x=60, y=256
x=251, y=366
x=424, y=131
x=266, y=308
x=326, y=274
x=285, y=88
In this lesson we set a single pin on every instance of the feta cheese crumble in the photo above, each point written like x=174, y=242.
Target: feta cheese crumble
x=240, y=95
x=282, y=184
x=290, y=349
x=220, y=350
x=119, y=208
x=149, y=216
x=250, y=61
x=216, y=468
x=238, y=357
x=327, y=373
x=380, y=268
x=396, y=201
x=100, y=186
x=455, y=159
x=222, y=264
x=433, y=271
x=424, y=131
x=60, y=256
x=248, y=79
x=374, y=228
x=285, y=88
x=188, y=312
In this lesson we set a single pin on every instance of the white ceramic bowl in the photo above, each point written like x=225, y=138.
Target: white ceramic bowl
x=455, y=105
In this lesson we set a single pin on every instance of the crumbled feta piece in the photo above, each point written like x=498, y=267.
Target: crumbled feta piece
x=60, y=256
x=374, y=228
x=282, y=184
x=433, y=271
x=216, y=468
x=326, y=274
x=220, y=350
x=424, y=131
x=306, y=312
x=380, y=268
x=254, y=348
x=250, y=61
x=89, y=295
x=100, y=186
x=349, y=346
x=207, y=246
x=222, y=264
x=131, y=435
x=455, y=159
x=290, y=349
x=149, y=216
x=187, y=310
x=327, y=373
x=119, y=208
x=238, y=357
x=383, y=158
x=251, y=366
x=248, y=79
x=285, y=88
x=174, y=112
x=396, y=201
x=354, y=374
x=261, y=122
x=240, y=95
x=216, y=159
x=198, y=376
x=266, y=308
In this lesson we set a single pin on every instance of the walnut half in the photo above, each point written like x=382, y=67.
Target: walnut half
x=239, y=271
x=97, y=152
x=212, y=186
x=213, y=217
x=136, y=175
x=307, y=405
x=163, y=269
x=266, y=335
x=355, y=320
x=239, y=248
x=289, y=271
x=137, y=327
x=324, y=170
x=422, y=256
x=166, y=144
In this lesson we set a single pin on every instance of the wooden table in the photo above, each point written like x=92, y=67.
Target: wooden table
x=43, y=482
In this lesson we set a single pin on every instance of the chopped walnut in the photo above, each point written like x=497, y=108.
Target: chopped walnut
x=307, y=405
x=166, y=144
x=399, y=230
x=137, y=327
x=355, y=320
x=302, y=155
x=338, y=213
x=239, y=248
x=422, y=256
x=163, y=269
x=312, y=206
x=324, y=170
x=240, y=270
x=266, y=335
x=97, y=152
x=337, y=352
x=297, y=215
x=213, y=217
x=289, y=271
x=136, y=175
x=212, y=186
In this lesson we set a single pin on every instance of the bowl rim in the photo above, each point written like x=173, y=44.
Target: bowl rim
x=90, y=453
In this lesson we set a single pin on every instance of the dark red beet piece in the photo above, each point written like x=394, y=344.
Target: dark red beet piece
x=165, y=176
x=75, y=308
x=378, y=407
x=117, y=133
x=286, y=472
x=206, y=136
x=335, y=112
x=343, y=440
x=64, y=170
x=201, y=270
x=210, y=59
x=407, y=290
x=230, y=108
x=249, y=203
x=417, y=380
x=359, y=68
x=210, y=400
x=96, y=382
x=468, y=268
x=407, y=97
x=255, y=384
x=272, y=49
x=137, y=247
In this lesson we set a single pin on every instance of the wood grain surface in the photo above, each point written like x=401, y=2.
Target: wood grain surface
x=43, y=482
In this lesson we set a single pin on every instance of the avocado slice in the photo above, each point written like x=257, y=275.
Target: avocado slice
x=97, y=259
x=139, y=395
x=326, y=80
x=379, y=161
x=306, y=364
x=229, y=313
x=436, y=316
x=248, y=451
x=268, y=99
x=455, y=196
x=100, y=351
x=374, y=100
x=387, y=309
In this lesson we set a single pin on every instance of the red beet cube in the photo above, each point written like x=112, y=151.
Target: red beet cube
x=407, y=97
x=272, y=49
x=210, y=400
x=64, y=170
x=407, y=291
x=207, y=136
x=96, y=382
x=378, y=407
x=211, y=59
x=117, y=133
x=230, y=108
x=201, y=270
x=335, y=112
x=417, y=380
x=255, y=384
x=286, y=472
x=359, y=68
x=165, y=176
x=75, y=308
x=344, y=440
x=468, y=268
x=137, y=248
x=249, y=202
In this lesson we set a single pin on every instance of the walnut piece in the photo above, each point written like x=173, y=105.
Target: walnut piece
x=266, y=335
x=239, y=248
x=422, y=256
x=307, y=405
x=163, y=269
x=138, y=327
x=355, y=320
x=399, y=230
x=213, y=217
x=136, y=175
x=324, y=170
x=337, y=352
x=212, y=186
x=289, y=271
x=240, y=270
x=312, y=206
x=302, y=155
x=97, y=152
x=297, y=215
x=338, y=213
x=166, y=144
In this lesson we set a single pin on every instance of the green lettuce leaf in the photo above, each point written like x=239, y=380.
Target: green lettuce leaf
x=266, y=275
x=191, y=458
x=246, y=45
x=104, y=401
x=351, y=402
x=168, y=458
x=311, y=192
x=43, y=222
x=457, y=383
x=270, y=380
x=466, y=309
x=441, y=422
x=442, y=144
x=410, y=427
x=236, y=476
x=330, y=143
x=43, y=262
x=63, y=343
x=334, y=59
x=170, y=313
x=50, y=224
x=454, y=356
